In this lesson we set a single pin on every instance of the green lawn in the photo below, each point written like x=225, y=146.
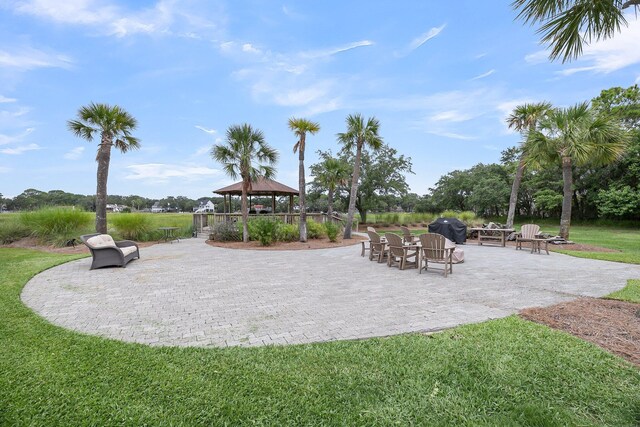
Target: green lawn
x=502, y=372
x=624, y=240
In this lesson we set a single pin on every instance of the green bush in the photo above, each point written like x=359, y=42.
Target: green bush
x=449, y=214
x=315, y=230
x=332, y=231
x=133, y=226
x=263, y=230
x=227, y=231
x=11, y=230
x=287, y=232
x=57, y=226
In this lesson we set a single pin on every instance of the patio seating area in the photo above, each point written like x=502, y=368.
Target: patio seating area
x=193, y=294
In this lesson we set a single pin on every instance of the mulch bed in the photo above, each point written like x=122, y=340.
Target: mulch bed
x=610, y=324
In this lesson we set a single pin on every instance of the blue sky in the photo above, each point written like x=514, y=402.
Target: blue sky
x=440, y=76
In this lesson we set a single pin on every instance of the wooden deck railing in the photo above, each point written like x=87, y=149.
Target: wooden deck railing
x=207, y=220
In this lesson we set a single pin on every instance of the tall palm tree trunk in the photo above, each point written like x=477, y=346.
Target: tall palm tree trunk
x=245, y=210
x=301, y=197
x=565, y=216
x=515, y=188
x=354, y=193
x=104, y=157
x=330, y=202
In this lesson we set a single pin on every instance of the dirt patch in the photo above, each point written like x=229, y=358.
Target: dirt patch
x=612, y=325
x=289, y=246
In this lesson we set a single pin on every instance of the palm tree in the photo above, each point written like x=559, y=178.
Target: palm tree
x=300, y=127
x=114, y=125
x=335, y=172
x=358, y=134
x=524, y=120
x=567, y=24
x=247, y=155
x=574, y=136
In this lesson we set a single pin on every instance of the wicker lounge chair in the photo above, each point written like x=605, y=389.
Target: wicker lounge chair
x=434, y=249
x=399, y=253
x=107, y=252
x=377, y=250
x=528, y=233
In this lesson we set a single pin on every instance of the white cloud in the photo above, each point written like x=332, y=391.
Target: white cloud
x=4, y=99
x=203, y=150
x=606, y=56
x=209, y=131
x=538, y=57
x=452, y=135
x=313, y=54
x=159, y=172
x=248, y=47
x=4, y=169
x=483, y=75
x=20, y=149
x=12, y=139
x=423, y=38
x=74, y=153
x=27, y=58
x=165, y=17
x=638, y=79
x=450, y=116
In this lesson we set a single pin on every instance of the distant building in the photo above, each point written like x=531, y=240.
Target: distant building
x=206, y=207
x=114, y=207
x=156, y=208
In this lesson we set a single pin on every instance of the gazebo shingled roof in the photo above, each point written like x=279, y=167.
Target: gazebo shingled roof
x=263, y=187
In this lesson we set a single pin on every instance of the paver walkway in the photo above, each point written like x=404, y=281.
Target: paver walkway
x=192, y=294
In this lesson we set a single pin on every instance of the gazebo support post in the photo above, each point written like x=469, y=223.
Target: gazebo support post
x=273, y=203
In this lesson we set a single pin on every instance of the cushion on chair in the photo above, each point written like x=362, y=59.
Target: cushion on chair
x=102, y=241
x=128, y=250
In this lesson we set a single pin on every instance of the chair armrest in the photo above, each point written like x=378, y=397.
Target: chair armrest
x=125, y=243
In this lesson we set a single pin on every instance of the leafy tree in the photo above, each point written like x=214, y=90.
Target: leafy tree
x=247, y=155
x=567, y=24
x=114, y=126
x=574, y=135
x=358, y=135
x=382, y=177
x=452, y=190
x=300, y=128
x=330, y=174
x=523, y=119
x=548, y=201
x=619, y=202
x=623, y=104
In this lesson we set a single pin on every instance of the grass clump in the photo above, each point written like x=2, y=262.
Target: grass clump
x=11, y=230
x=56, y=226
x=132, y=226
x=630, y=293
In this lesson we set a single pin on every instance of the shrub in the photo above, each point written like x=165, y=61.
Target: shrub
x=11, y=230
x=263, y=230
x=332, y=230
x=449, y=214
x=227, y=231
x=468, y=217
x=132, y=226
x=315, y=230
x=287, y=232
x=56, y=226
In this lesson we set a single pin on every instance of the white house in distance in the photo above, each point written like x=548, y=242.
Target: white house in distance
x=206, y=207
x=156, y=208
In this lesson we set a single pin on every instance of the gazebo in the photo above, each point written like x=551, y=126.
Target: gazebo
x=262, y=187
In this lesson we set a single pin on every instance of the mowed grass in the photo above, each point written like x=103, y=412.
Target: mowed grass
x=624, y=240
x=502, y=372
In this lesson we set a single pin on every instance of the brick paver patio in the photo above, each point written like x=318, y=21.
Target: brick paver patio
x=192, y=294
